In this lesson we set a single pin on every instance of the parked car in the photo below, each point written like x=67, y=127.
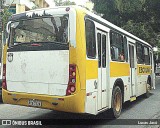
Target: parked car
x=157, y=71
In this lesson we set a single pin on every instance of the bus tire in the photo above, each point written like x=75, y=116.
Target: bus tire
x=116, y=102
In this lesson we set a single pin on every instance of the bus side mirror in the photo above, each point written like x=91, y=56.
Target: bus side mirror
x=8, y=27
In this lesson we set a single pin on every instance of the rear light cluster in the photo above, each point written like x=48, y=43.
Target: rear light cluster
x=4, y=84
x=72, y=80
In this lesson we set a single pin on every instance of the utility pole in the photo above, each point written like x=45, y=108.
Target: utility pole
x=1, y=23
x=1, y=33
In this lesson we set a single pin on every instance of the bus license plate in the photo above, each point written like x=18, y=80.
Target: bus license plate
x=35, y=103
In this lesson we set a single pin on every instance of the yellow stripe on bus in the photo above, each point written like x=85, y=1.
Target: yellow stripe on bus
x=91, y=69
x=118, y=69
x=5, y=54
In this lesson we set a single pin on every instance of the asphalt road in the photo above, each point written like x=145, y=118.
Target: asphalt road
x=142, y=108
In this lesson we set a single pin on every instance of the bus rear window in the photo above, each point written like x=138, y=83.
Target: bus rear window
x=51, y=29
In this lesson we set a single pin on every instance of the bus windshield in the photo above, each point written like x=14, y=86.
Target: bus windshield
x=51, y=29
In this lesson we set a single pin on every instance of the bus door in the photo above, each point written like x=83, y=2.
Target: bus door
x=102, y=41
x=132, y=69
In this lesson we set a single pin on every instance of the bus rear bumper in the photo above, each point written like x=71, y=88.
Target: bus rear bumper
x=73, y=103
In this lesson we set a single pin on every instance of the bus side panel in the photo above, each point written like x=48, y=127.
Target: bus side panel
x=91, y=86
x=88, y=69
x=143, y=71
x=120, y=70
x=81, y=48
x=78, y=56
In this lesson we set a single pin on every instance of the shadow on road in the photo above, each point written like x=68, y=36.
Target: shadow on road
x=64, y=118
x=129, y=105
x=81, y=119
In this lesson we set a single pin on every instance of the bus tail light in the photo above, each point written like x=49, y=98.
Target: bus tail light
x=72, y=80
x=4, y=84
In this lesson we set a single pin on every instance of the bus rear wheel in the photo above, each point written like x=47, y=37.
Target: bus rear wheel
x=116, y=102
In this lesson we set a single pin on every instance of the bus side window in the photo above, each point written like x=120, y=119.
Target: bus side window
x=125, y=48
x=140, y=54
x=114, y=49
x=90, y=38
x=99, y=49
x=121, y=49
x=118, y=46
x=146, y=56
x=114, y=53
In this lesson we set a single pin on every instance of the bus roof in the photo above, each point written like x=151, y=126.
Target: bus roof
x=98, y=18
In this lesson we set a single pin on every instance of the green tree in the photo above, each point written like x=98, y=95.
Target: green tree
x=141, y=30
x=5, y=15
x=121, y=11
x=139, y=17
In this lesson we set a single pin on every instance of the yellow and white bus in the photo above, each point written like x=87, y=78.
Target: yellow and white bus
x=69, y=59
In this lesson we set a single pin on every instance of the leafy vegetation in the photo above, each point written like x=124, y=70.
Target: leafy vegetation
x=139, y=17
x=5, y=14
